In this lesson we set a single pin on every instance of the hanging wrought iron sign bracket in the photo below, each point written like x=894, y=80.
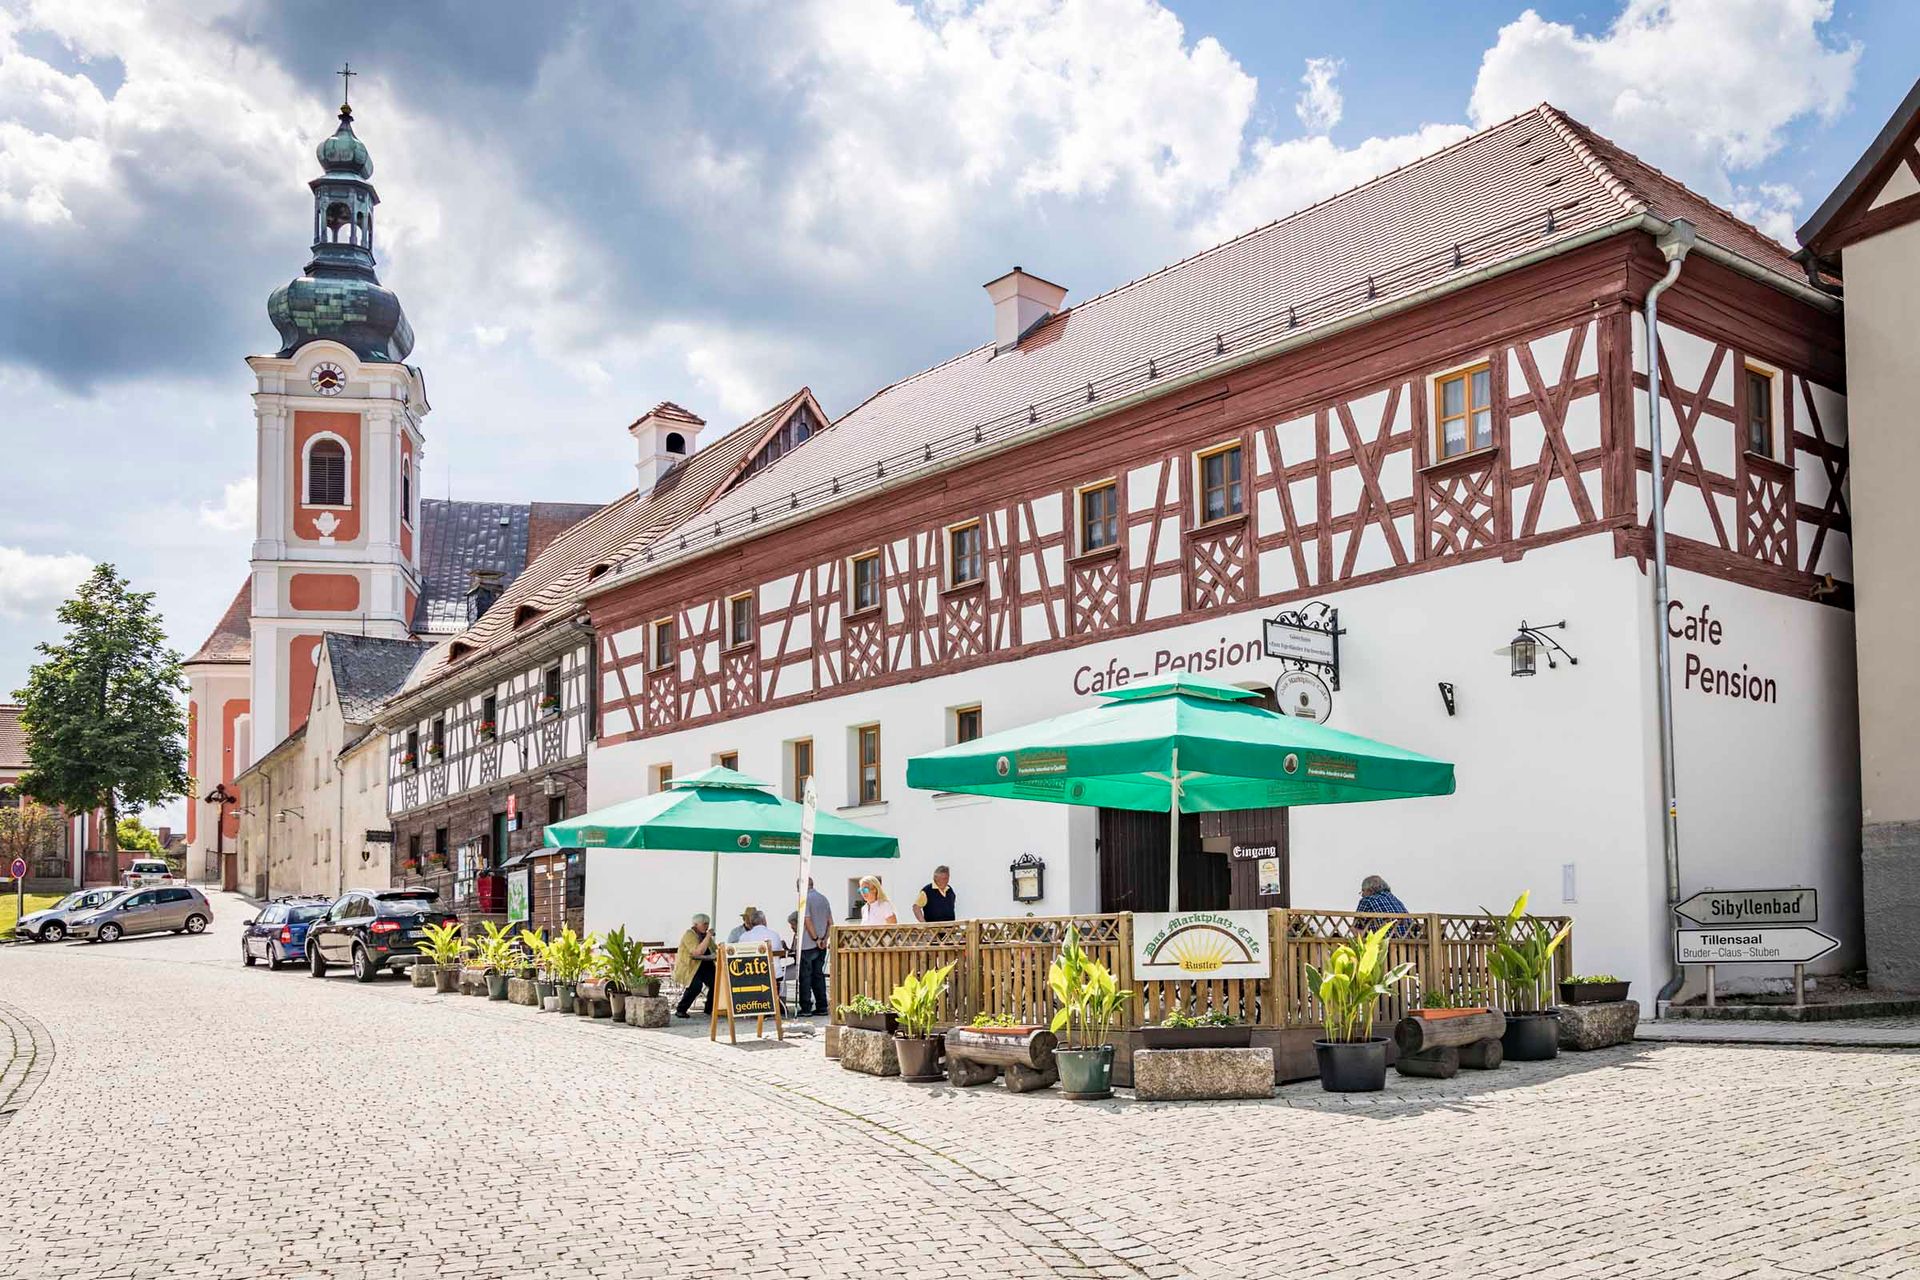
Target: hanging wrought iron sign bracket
x=1307, y=637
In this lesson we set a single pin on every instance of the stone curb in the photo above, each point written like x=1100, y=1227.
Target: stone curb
x=30, y=1058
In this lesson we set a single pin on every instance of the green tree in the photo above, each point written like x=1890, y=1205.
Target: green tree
x=135, y=837
x=28, y=829
x=102, y=711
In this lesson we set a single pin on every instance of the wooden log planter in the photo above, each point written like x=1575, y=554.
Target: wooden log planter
x=1438, y=1047
x=1023, y=1055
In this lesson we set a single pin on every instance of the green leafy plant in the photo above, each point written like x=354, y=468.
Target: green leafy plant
x=1522, y=955
x=1180, y=1019
x=493, y=950
x=443, y=945
x=1591, y=980
x=863, y=1007
x=916, y=1001
x=1087, y=993
x=626, y=962
x=569, y=955
x=1465, y=998
x=995, y=1020
x=533, y=951
x=1354, y=982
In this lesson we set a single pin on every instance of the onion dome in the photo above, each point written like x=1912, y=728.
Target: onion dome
x=343, y=153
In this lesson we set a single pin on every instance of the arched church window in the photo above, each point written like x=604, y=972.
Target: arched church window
x=327, y=474
x=406, y=490
x=676, y=443
x=339, y=223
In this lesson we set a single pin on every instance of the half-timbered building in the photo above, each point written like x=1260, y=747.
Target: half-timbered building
x=1866, y=235
x=1421, y=403
x=488, y=744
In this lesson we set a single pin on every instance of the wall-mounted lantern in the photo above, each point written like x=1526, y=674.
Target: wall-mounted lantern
x=1029, y=878
x=1525, y=647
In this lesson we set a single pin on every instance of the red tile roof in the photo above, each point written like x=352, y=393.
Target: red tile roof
x=669, y=410
x=232, y=638
x=1531, y=183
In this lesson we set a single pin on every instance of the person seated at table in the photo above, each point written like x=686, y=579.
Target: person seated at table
x=758, y=931
x=693, y=965
x=875, y=907
x=746, y=923
x=1377, y=898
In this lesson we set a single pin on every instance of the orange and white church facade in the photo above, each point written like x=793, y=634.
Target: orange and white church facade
x=343, y=541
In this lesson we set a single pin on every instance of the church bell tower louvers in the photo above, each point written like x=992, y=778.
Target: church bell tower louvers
x=337, y=414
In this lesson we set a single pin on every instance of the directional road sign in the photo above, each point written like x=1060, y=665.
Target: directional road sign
x=1752, y=906
x=1791, y=944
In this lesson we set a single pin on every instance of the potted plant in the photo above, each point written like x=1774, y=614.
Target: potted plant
x=409, y=760
x=626, y=971
x=916, y=1003
x=435, y=750
x=1593, y=988
x=1521, y=962
x=1001, y=1024
x=549, y=704
x=864, y=1013
x=1352, y=1059
x=1089, y=1000
x=567, y=957
x=494, y=953
x=443, y=947
x=1438, y=1006
x=1214, y=1029
x=533, y=949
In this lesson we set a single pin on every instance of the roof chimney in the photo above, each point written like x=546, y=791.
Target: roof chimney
x=483, y=588
x=1020, y=301
x=667, y=435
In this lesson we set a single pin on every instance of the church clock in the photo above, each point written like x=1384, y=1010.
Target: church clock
x=328, y=379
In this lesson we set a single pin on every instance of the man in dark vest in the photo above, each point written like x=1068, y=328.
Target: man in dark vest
x=936, y=900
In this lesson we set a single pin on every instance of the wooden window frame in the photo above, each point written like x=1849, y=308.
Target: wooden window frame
x=720, y=759
x=1080, y=516
x=854, y=607
x=1748, y=372
x=654, y=661
x=661, y=775
x=979, y=723
x=752, y=617
x=954, y=581
x=1464, y=375
x=860, y=797
x=797, y=776
x=306, y=472
x=1200, y=459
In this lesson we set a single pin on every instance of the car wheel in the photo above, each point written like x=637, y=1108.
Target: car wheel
x=196, y=924
x=273, y=959
x=364, y=969
x=316, y=966
x=109, y=932
x=246, y=955
x=54, y=932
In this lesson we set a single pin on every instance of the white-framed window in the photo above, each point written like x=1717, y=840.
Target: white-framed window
x=326, y=467
x=1463, y=411
x=740, y=620
x=1220, y=482
x=863, y=582
x=1097, y=508
x=660, y=648
x=964, y=562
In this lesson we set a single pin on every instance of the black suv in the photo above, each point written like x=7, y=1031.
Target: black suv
x=372, y=929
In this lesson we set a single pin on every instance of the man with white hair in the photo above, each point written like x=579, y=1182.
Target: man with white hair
x=1376, y=898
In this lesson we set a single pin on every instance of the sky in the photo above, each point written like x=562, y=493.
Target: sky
x=591, y=207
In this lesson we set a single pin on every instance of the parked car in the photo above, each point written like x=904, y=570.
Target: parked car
x=179, y=907
x=372, y=930
x=50, y=924
x=146, y=871
x=278, y=934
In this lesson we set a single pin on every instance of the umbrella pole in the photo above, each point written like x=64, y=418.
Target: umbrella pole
x=1173, y=838
x=713, y=909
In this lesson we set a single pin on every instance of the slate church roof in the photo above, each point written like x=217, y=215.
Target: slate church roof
x=368, y=670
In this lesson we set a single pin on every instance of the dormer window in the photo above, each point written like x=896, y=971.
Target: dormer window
x=793, y=433
x=676, y=443
x=524, y=614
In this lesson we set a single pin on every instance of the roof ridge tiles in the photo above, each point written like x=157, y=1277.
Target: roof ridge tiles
x=1575, y=136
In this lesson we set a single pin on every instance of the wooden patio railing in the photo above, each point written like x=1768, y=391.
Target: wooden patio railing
x=1000, y=966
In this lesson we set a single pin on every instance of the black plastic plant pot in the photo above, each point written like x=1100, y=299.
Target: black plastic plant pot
x=1592, y=992
x=1085, y=1074
x=920, y=1058
x=1352, y=1066
x=496, y=986
x=1531, y=1037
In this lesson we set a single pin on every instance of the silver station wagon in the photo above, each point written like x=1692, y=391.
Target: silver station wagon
x=176, y=907
x=50, y=924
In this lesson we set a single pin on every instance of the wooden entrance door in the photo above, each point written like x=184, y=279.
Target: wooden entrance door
x=1253, y=843
x=1133, y=864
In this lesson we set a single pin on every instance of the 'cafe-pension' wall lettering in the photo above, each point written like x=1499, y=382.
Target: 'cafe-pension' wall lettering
x=1698, y=675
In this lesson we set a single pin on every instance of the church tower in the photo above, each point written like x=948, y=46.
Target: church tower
x=337, y=413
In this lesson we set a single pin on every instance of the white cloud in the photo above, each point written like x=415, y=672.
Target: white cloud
x=1319, y=105
x=1704, y=89
x=33, y=586
x=236, y=510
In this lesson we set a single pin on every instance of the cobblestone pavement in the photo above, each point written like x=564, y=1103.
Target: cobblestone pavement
x=201, y=1119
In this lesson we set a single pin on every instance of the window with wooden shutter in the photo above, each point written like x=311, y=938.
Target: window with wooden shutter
x=327, y=474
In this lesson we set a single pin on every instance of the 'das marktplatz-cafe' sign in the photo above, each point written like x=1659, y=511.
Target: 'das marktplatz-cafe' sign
x=1184, y=945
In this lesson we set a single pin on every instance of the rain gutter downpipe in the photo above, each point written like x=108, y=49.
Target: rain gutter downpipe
x=1674, y=244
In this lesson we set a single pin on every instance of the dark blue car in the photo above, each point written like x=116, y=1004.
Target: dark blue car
x=278, y=934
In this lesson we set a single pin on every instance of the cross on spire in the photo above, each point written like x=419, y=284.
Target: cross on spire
x=346, y=74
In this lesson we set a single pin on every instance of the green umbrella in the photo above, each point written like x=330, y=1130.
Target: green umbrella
x=717, y=811
x=1186, y=745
